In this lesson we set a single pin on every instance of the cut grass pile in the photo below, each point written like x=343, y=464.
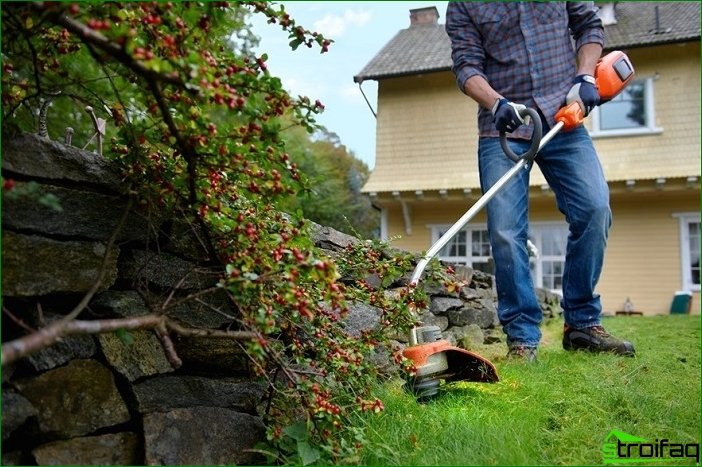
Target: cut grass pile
x=557, y=411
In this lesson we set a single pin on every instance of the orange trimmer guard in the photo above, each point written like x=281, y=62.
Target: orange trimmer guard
x=463, y=365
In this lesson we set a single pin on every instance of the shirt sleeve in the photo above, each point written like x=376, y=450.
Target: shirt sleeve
x=466, y=44
x=584, y=24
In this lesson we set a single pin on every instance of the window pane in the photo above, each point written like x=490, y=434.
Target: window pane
x=480, y=243
x=456, y=247
x=627, y=110
x=552, y=274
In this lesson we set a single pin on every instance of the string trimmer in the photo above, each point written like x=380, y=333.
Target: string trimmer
x=435, y=358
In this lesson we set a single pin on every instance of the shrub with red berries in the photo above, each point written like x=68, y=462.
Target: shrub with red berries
x=195, y=121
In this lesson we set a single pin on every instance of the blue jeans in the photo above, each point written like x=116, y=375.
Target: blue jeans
x=573, y=171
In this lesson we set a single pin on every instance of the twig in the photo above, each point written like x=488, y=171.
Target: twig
x=271, y=388
x=200, y=332
x=192, y=229
x=17, y=320
x=191, y=296
x=216, y=310
x=103, y=268
x=168, y=347
x=40, y=315
x=186, y=148
x=173, y=290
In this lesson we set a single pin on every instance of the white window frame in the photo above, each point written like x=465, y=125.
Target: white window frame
x=468, y=259
x=684, y=220
x=535, y=229
x=648, y=129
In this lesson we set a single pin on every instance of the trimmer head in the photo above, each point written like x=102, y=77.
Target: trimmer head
x=436, y=359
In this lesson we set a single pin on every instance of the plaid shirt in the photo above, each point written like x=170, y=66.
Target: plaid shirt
x=523, y=49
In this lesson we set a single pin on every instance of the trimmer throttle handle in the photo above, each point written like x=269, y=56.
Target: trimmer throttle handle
x=535, y=138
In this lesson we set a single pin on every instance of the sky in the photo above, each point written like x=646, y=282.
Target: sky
x=359, y=30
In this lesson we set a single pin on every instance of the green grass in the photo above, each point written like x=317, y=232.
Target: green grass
x=557, y=411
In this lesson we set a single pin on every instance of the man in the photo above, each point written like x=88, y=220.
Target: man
x=508, y=55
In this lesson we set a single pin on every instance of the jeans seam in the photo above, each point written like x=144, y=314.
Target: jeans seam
x=567, y=207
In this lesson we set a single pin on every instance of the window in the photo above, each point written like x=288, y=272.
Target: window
x=631, y=112
x=550, y=241
x=471, y=246
x=690, y=250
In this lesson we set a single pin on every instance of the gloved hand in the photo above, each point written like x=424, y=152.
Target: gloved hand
x=584, y=92
x=506, y=116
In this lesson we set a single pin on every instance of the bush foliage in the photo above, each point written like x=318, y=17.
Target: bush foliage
x=195, y=122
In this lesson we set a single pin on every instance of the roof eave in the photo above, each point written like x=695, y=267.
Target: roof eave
x=640, y=45
x=361, y=78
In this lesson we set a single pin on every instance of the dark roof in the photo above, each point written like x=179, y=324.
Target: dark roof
x=417, y=49
x=636, y=24
x=426, y=48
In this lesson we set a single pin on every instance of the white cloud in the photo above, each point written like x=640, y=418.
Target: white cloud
x=334, y=25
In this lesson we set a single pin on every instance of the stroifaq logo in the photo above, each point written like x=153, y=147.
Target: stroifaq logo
x=622, y=448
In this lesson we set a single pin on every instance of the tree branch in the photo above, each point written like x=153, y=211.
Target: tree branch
x=45, y=337
x=51, y=334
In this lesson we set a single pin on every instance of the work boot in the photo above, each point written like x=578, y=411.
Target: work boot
x=521, y=352
x=595, y=339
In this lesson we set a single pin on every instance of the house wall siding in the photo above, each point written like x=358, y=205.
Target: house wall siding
x=644, y=252
x=426, y=136
x=676, y=151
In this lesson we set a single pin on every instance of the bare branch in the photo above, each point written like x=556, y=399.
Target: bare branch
x=216, y=310
x=168, y=347
x=103, y=268
x=17, y=320
x=200, y=332
x=48, y=336
x=194, y=295
x=176, y=287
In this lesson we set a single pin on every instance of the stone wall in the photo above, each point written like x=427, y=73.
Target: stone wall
x=114, y=399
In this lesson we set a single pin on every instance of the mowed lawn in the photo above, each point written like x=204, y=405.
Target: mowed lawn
x=558, y=411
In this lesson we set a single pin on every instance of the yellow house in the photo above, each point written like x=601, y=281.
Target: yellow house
x=648, y=138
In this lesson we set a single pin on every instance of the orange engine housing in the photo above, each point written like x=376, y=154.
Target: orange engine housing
x=613, y=72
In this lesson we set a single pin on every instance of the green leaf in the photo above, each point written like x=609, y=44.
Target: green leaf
x=125, y=336
x=307, y=453
x=297, y=431
x=295, y=43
